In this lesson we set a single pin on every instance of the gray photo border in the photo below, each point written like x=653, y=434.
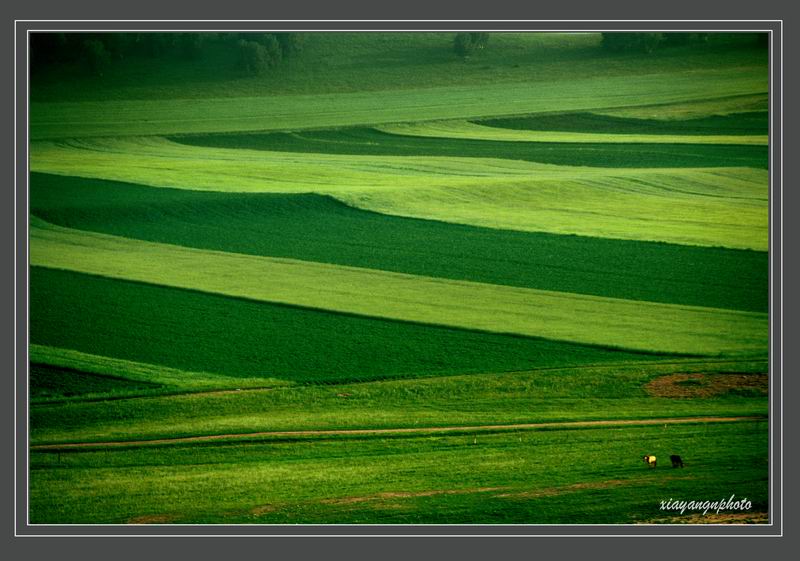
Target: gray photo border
x=23, y=529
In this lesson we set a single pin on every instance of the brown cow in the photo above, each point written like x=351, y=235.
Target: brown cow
x=650, y=460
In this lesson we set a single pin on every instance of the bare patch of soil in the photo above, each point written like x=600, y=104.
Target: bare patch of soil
x=590, y=485
x=405, y=495
x=153, y=519
x=707, y=385
x=263, y=509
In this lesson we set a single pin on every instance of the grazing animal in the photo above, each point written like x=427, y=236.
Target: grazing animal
x=676, y=461
x=650, y=460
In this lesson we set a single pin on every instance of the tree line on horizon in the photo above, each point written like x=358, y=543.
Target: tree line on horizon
x=648, y=42
x=96, y=52
x=465, y=44
x=258, y=52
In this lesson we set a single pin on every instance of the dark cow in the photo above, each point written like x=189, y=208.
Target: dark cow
x=676, y=461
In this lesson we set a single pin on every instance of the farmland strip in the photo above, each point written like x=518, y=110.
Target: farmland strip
x=177, y=338
x=469, y=130
x=565, y=425
x=370, y=141
x=641, y=326
x=320, y=228
x=292, y=112
x=709, y=206
x=736, y=123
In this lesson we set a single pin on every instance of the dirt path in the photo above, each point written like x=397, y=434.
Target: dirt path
x=391, y=431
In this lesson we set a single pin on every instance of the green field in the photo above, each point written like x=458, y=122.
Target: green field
x=317, y=228
x=380, y=283
x=371, y=141
x=479, y=131
x=618, y=323
x=500, y=478
x=720, y=206
x=186, y=330
x=737, y=124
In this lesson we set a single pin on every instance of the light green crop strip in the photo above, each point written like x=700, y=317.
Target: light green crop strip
x=467, y=130
x=577, y=318
x=696, y=206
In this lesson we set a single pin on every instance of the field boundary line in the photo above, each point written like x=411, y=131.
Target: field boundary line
x=400, y=430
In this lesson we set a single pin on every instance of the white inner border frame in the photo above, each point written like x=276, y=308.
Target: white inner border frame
x=772, y=186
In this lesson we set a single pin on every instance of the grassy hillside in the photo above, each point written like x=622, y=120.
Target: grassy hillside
x=63, y=374
x=358, y=79
x=479, y=131
x=317, y=228
x=198, y=332
x=698, y=206
x=308, y=111
x=542, y=393
x=383, y=283
x=738, y=124
x=605, y=391
x=503, y=478
x=374, y=142
x=641, y=326
x=347, y=62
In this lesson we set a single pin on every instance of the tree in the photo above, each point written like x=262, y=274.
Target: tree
x=479, y=40
x=252, y=57
x=291, y=43
x=681, y=39
x=118, y=45
x=272, y=52
x=462, y=44
x=632, y=42
x=153, y=44
x=47, y=48
x=648, y=42
x=272, y=49
x=97, y=57
x=190, y=45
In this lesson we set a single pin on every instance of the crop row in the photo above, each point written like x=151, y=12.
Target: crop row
x=618, y=323
x=319, y=228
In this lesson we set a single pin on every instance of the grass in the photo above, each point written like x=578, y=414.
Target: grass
x=693, y=110
x=373, y=142
x=748, y=123
x=275, y=262
x=604, y=390
x=348, y=62
x=166, y=116
x=47, y=381
x=706, y=206
x=321, y=229
x=480, y=131
x=617, y=323
x=187, y=331
x=64, y=371
x=573, y=476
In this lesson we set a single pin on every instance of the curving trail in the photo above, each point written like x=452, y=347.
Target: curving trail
x=393, y=431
